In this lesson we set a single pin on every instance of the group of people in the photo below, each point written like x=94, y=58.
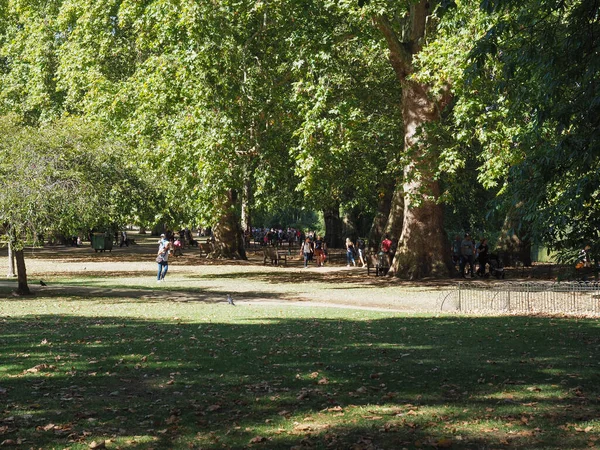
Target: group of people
x=274, y=236
x=314, y=247
x=466, y=252
x=354, y=250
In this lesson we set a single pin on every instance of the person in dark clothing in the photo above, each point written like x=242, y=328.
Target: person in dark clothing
x=484, y=256
x=467, y=251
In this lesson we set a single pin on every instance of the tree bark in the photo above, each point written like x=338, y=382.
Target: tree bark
x=246, y=211
x=333, y=226
x=512, y=243
x=22, y=288
x=229, y=239
x=395, y=221
x=11, y=261
x=422, y=249
x=381, y=216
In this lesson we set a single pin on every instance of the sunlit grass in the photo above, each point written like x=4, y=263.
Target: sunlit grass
x=155, y=373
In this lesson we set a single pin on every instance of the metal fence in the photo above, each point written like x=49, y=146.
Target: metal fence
x=527, y=297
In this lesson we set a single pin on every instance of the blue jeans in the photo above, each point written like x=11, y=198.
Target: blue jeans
x=306, y=258
x=163, y=267
x=350, y=257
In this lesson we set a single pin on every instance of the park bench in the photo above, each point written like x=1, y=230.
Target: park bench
x=378, y=262
x=274, y=255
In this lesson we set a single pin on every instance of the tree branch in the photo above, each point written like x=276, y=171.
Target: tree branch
x=400, y=57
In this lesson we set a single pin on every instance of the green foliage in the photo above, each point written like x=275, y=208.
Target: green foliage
x=525, y=107
x=65, y=176
x=298, y=101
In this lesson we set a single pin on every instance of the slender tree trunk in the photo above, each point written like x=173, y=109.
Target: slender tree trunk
x=246, y=201
x=333, y=226
x=381, y=216
x=11, y=261
x=349, y=227
x=23, y=288
x=229, y=239
x=393, y=226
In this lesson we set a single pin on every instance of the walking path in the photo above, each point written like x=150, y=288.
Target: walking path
x=130, y=273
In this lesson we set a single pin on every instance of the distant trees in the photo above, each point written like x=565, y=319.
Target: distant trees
x=64, y=176
x=384, y=109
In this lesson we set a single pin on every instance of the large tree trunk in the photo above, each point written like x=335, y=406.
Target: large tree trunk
x=23, y=288
x=381, y=216
x=422, y=250
x=11, y=261
x=229, y=239
x=333, y=226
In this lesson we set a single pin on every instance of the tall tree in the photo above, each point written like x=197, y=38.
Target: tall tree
x=422, y=248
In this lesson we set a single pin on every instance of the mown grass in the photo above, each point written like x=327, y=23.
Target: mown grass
x=139, y=373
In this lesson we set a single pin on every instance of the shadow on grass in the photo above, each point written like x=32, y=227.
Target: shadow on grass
x=124, y=293
x=307, y=382
x=343, y=278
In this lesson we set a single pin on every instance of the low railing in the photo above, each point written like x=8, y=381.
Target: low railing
x=523, y=297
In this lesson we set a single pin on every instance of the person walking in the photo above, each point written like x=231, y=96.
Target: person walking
x=350, y=252
x=306, y=250
x=456, y=246
x=467, y=252
x=319, y=251
x=124, y=240
x=483, y=257
x=162, y=258
x=360, y=244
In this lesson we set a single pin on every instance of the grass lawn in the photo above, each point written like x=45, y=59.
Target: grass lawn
x=91, y=370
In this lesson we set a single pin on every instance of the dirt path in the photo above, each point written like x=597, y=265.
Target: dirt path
x=129, y=273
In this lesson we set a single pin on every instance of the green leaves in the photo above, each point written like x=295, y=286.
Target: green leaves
x=65, y=176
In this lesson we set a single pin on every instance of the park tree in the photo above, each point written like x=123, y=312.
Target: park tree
x=422, y=248
x=548, y=55
x=524, y=115
x=62, y=177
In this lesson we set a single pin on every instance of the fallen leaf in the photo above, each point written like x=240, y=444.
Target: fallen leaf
x=172, y=420
x=302, y=396
x=258, y=439
x=94, y=445
x=444, y=443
